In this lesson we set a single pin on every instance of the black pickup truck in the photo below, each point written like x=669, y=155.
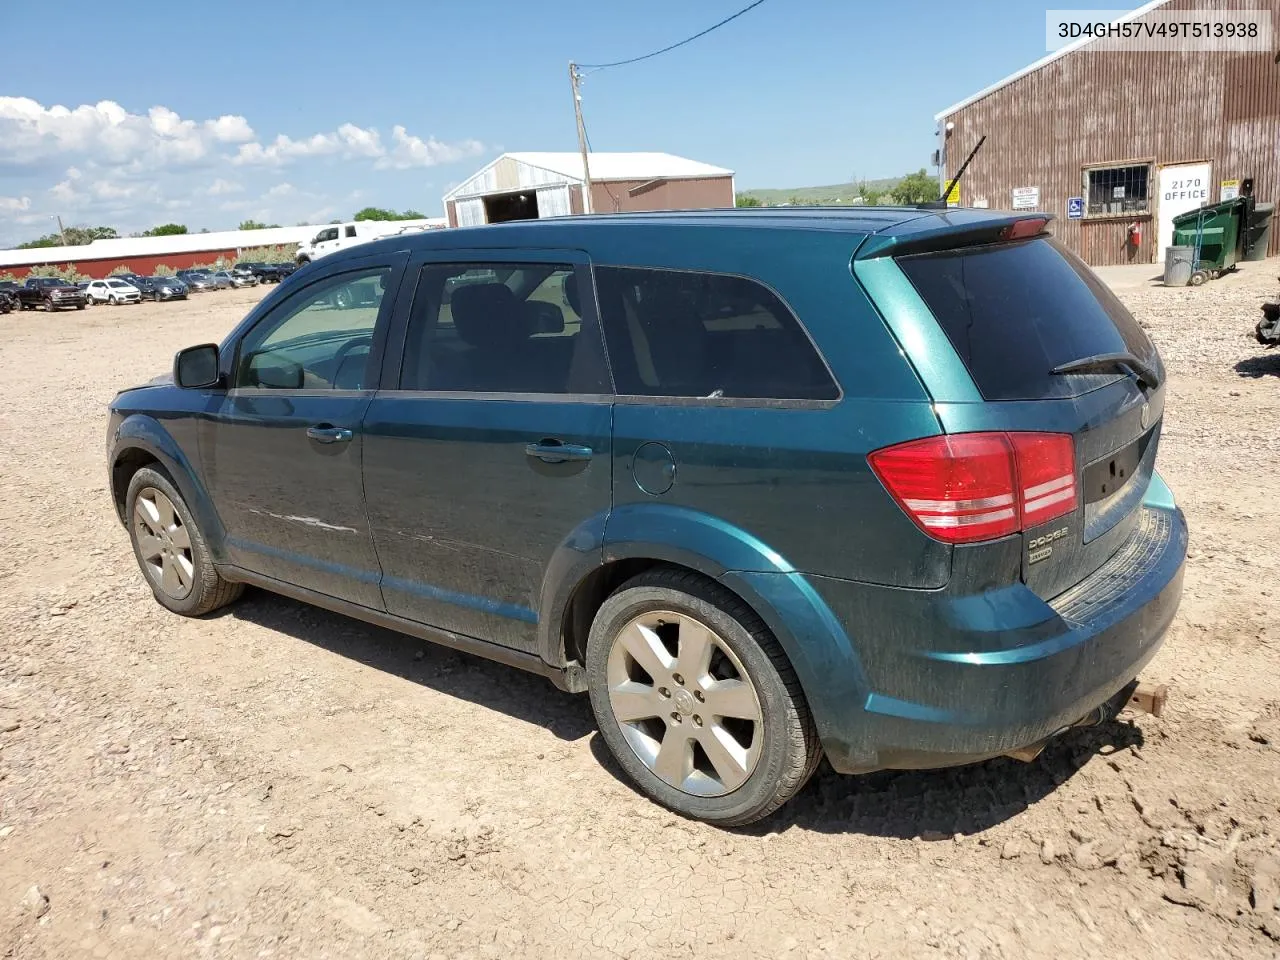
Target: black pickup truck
x=51, y=293
x=269, y=272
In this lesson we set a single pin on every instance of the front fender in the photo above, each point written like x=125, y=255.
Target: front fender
x=143, y=432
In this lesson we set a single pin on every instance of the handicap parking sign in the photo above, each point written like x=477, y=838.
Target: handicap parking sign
x=1075, y=208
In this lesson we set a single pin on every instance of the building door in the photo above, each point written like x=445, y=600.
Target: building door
x=554, y=201
x=1183, y=187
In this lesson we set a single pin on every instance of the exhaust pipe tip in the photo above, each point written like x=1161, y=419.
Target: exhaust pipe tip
x=1135, y=697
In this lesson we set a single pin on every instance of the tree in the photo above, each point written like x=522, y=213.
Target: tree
x=381, y=213
x=257, y=225
x=76, y=237
x=746, y=200
x=165, y=230
x=869, y=194
x=915, y=188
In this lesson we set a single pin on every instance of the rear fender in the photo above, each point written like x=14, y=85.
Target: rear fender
x=817, y=646
x=141, y=432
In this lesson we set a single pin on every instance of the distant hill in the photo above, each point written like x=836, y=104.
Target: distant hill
x=835, y=193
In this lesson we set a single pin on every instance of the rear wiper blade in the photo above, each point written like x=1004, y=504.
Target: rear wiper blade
x=1104, y=362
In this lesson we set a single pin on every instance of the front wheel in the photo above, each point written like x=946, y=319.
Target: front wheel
x=696, y=699
x=113, y=301
x=49, y=307
x=170, y=548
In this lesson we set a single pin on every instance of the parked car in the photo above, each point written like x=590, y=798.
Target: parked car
x=224, y=279
x=143, y=284
x=243, y=276
x=9, y=296
x=284, y=270
x=114, y=291
x=164, y=288
x=49, y=293
x=196, y=280
x=768, y=510
x=83, y=287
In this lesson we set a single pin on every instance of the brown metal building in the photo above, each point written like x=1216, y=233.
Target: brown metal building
x=1136, y=137
x=526, y=186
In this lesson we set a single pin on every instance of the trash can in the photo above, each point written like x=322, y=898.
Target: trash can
x=1217, y=232
x=1178, y=265
x=1258, y=233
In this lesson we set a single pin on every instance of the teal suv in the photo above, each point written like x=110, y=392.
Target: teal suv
x=875, y=485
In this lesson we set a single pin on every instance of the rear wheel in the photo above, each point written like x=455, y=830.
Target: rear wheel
x=1199, y=277
x=697, y=701
x=170, y=548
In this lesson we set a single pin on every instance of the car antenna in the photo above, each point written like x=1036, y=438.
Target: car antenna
x=960, y=173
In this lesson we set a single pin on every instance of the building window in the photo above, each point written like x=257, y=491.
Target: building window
x=1118, y=191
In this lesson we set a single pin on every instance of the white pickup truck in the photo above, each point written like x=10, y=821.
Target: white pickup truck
x=339, y=236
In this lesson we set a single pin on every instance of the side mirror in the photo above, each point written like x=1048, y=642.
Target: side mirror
x=545, y=317
x=197, y=367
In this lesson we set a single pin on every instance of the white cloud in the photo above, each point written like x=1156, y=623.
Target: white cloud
x=104, y=164
x=231, y=129
x=32, y=134
x=350, y=141
x=410, y=151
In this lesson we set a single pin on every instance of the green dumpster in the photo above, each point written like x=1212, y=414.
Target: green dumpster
x=1216, y=233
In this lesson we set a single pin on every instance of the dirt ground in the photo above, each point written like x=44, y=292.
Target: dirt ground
x=276, y=781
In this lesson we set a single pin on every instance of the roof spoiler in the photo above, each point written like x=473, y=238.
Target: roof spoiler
x=931, y=234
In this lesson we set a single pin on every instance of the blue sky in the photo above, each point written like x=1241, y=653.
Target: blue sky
x=306, y=112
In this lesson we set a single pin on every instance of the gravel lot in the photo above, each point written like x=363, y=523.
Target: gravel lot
x=277, y=781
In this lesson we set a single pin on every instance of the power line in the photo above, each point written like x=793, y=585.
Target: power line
x=622, y=63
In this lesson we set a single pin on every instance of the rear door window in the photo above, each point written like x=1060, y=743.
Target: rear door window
x=1014, y=312
x=676, y=333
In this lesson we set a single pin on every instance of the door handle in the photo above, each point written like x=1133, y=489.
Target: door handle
x=554, y=451
x=323, y=433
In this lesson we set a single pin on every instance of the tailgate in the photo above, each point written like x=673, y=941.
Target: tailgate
x=1017, y=313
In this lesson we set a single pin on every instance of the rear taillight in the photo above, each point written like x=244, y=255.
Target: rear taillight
x=966, y=487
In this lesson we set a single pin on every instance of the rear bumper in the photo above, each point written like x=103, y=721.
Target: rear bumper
x=955, y=679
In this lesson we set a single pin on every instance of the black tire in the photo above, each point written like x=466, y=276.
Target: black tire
x=209, y=590
x=790, y=750
x=49, y=307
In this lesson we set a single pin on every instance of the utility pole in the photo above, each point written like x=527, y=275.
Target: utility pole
x=61, y=231
x=574, y=79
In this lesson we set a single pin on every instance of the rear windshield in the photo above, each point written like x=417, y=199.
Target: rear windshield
x=1013, y=312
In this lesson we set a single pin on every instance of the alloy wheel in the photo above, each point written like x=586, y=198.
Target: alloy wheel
x=684, y=703
x=164, y=543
